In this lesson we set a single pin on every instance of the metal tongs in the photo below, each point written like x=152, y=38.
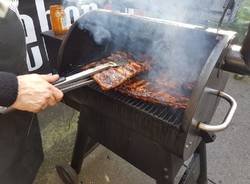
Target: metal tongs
x=78, y=80
x=83, y=78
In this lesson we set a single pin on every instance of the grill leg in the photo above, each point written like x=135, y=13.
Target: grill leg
x=83, y=145
x=168, y=170
x=201, y=150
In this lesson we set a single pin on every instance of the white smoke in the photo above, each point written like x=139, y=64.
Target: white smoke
x=181, y=53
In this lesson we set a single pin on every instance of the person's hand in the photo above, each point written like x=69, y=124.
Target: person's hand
x=36, y=93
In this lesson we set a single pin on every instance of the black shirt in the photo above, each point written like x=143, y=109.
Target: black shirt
x=12, y=58
x=20, y=140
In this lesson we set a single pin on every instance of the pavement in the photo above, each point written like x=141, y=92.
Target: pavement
x=228, y=156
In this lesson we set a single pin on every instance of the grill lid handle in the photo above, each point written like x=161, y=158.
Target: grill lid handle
x=229, y=116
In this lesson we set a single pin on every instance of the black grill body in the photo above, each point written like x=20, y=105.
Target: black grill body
x=156, y=139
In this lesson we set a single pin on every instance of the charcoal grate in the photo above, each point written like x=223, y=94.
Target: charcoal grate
x=164, y=113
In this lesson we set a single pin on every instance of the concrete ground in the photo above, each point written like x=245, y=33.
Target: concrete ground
x=228, y=156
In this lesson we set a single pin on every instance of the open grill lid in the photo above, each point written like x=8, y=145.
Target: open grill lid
x=97, y=34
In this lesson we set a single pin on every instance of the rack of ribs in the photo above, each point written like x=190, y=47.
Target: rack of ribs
x=146, y=91
x=159, y=90
x=114, y=77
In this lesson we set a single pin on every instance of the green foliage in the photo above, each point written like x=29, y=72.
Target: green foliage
x=242, y=21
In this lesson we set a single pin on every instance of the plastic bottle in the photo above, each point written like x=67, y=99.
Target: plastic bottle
x=57, y=18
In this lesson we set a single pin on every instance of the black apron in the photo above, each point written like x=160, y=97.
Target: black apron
x=20, y=140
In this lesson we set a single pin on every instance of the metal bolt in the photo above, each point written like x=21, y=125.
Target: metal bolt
x=166, y=177
x=165, y=169
x=190, y=143
x=187, y=146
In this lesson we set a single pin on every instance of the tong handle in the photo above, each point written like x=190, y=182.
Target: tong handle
x=63, y=88
x=60, y=80
x=85, y=74
x=76, y=85
x=78, y=80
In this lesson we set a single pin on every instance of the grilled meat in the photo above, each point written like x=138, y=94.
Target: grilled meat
x=151, y=92
x=153, y=87
x=114, y=77
x=188, y=86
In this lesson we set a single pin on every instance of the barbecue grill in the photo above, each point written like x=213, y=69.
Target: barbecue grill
x=155, y=138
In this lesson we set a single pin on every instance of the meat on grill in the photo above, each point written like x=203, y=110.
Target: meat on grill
x=145, y=90
x=159, y=90
x=114, y=77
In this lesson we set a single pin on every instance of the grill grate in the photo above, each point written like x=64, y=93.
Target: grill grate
x=164, y=113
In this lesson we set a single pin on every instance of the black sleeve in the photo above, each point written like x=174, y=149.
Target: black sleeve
x=8, y=89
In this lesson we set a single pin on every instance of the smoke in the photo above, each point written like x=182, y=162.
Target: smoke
x=177, y=52
x=185, y=10
x=100, y=34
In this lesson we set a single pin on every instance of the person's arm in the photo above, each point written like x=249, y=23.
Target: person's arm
x=31, y=92
x=8, y=89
